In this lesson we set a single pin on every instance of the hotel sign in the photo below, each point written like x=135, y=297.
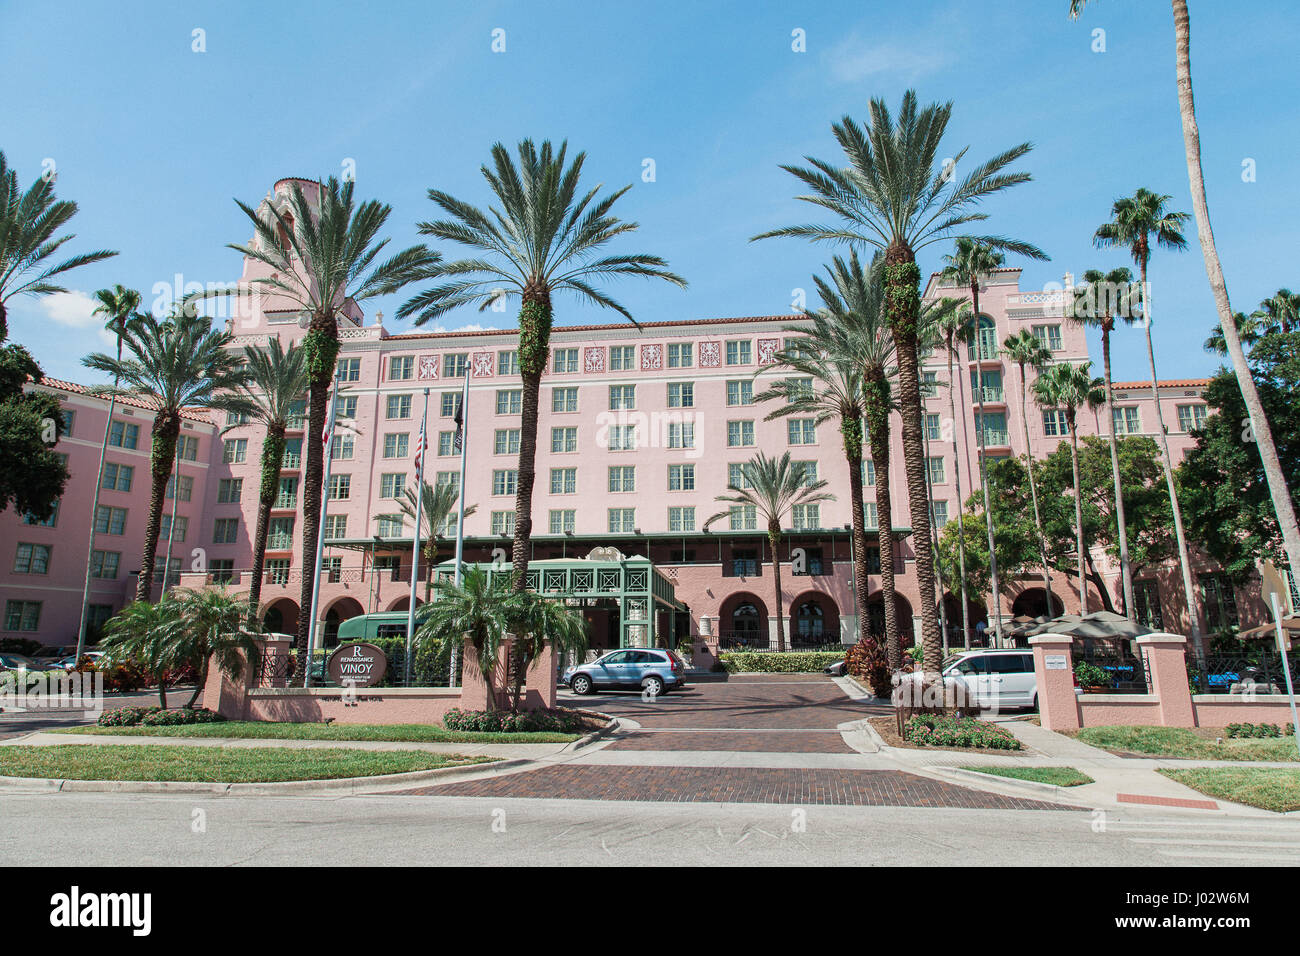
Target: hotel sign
x=357, y=665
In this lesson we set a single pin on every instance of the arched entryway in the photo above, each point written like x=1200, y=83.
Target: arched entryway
x=976, y=613
x=902, y=613
x=742, y=621
x=403, y=603
x=340, y=611
x=814, y=619
x=1032, y=602
x=281, y=617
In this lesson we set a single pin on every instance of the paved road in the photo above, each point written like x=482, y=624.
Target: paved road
x=15, y=723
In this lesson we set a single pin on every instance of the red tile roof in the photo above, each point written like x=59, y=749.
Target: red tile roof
x=1165, y=383
x=193, y=414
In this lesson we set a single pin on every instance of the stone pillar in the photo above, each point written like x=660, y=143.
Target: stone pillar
x=1058, y=706
x=1166, y=660
x=226, y=696
x=473, y=689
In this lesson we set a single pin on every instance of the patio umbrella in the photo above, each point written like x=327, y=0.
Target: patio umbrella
x=1290, y=627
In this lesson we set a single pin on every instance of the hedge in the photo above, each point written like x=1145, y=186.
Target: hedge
x=779, y=662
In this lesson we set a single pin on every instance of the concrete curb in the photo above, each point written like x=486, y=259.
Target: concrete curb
x=1016, y=782
x=611, y=725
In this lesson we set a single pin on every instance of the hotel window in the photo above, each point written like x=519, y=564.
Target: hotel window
x=739, y=352
x=32, y=559
x=929, y=384
x=871, y=516
x=622, y=438
x=1049, y=336
x=566, y=361
x=287, y=494
x=1127, y=420
x=744, y=563
x=505, y=481
x=446, y=444
x=799, y=388
x=873, y=559
x=992, y=380
x=869, y=472
x=234, y=450
x=1054, y=423
x=809, y=469
x=681, y=434
x=123, y=434
x=505, y=441
x=681, y=394
x=336, y=526
x=333, y=569
x=740, y=434
x=503, y=522
x=813, y=563
x=564, y=481
x=449, y=525
x=49, y=522
x=563, y=521
x=939, y=513
x=622, y=397
x=622, y=358
x=985, y=342
x=622, y=520
x=510, y=401
x=564, y=400
x=681, y=519
x=680, y=355
x=447, y=479
x=622, y=478
x=225, y=531
x=743, y=518
x=681, y=477
x=236, y=418
x=345, y=406
x=68, y=416
x=118, y=478
x=564, y=439
x=105, y=564
x=738, y=477
x=165, y=527
x=1220, y=602
x=1146, y=601
x=935, y=470
x=280, y=533
x=340, y=487
x=187, y=448
x=22, y=615
x=1191, y=417
x=508, y=363
x=222, y=570
x=388, y=526
x=277, y=571
x=391, y=485
x=186, y=484
x=933, y=429
x=740, y=392
x=342, y=447
x=455, y=364
x=396, y=444
x=110, y=520
x=349, y=370
x=399, y=406
x=801, y=431
x=401, y=368
x=806, y=517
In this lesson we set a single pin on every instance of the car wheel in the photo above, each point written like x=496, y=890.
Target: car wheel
x=581, y=685
x=654, y=686
x=1033, y=703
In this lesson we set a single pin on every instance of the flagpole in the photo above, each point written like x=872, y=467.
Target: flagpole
x=460, y=519
x=415, y=545
x=320, y=531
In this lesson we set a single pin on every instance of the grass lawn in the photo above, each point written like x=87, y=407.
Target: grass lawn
x=215, y=764
x=1058, y=776
x=1193, y=744
x=246, y=729
x=1270, y=788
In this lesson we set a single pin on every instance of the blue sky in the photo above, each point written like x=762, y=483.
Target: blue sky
x=154, y=140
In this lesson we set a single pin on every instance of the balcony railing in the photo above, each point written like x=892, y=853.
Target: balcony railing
x=992, y=395
x=285, y=502
x=995, y=438
x=279, y=542
x=291, y=460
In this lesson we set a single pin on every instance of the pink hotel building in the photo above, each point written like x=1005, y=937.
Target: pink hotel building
x=639, y=430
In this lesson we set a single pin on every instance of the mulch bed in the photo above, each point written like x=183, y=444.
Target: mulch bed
x=887, y=727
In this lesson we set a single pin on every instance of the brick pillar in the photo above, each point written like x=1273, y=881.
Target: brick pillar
x=540, y=681
x=1166, y=657
x=473, y=689
x=1058, y=707
x=228, y=697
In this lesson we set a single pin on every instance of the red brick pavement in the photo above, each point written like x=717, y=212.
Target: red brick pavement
x=737, y=741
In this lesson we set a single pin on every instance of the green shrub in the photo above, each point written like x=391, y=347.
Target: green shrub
x=915, y=652
x=179, y=717
x=1256, y=730
x=937, y=730
x=503, y=721
x=125, y=716
x=778, y=662
x=1090, y=675
x=867, y=661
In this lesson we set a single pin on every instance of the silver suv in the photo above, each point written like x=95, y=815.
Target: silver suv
x=649, y=669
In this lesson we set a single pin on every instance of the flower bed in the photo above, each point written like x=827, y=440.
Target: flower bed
x=503, y=721
x=926, y=730
x=157, y=717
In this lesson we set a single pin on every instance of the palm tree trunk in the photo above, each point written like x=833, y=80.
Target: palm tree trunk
x=166, y=427
x=534, y=340
x=958, y=461
x=902, y=311
x=94, y=507
x=851, y=431
x=1126, y=568
x=1283, y=505
x=1184, y=559
x=1033, y=489
x=272, y=457
x=774, y=541
x=995, y=605
x=1078, y=514
x=878, y=436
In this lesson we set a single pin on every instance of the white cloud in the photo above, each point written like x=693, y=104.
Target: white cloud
x=854, y=59
x=73, y=310
x=471, y=327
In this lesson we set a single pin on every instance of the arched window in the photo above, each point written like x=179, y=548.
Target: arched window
x=744, y=620
x=809, y=620
x=985, y=341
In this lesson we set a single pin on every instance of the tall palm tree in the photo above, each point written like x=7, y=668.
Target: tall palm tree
x=1104, y=297
x=277, y=379
x=1280, y=312
x=897, y=194
x=954, y=330
x=1250, y=329
x=177, y=364
x=841, y=347
x=1136, y=222
x=1283, y=505
x=1069, y=388
x=117, y=304
x=28, y=222
x=437, y=503
x=543, y=238
x=1026, y=350
x=773, y=487
x=323, y=253
x=479, y=611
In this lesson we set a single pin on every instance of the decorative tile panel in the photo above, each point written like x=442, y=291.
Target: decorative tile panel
x=710, y=354
x=482, y=365
x=652, y=358
x=767, y=349
x=428, y=366
x=594, y=359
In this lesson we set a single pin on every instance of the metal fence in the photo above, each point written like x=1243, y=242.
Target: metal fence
x=1259, y=673
x=426, y=671
x=1122, y=671
x=764, y=643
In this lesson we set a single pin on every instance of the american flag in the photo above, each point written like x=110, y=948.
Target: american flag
x=419, y=452
x=459, y=419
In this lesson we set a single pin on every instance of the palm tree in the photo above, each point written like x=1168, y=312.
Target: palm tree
x=898, y=195
x=543, y=239
x=118, y=304
x=841, y=347
x=212, y=625
x=439, y=502
x=1104, y=297
x=543, y=620
x=143, y=633
x=1136, y=221
x=276, y=382
x=773, y=487
x=954, y=329
x=1069, y=388
x=1283, y=505
x=1250, y=329
x=479, y=611
x=1280, y=312
x=1024, y=349
x=28, y=222
x=322, y=253
x=178, y=364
